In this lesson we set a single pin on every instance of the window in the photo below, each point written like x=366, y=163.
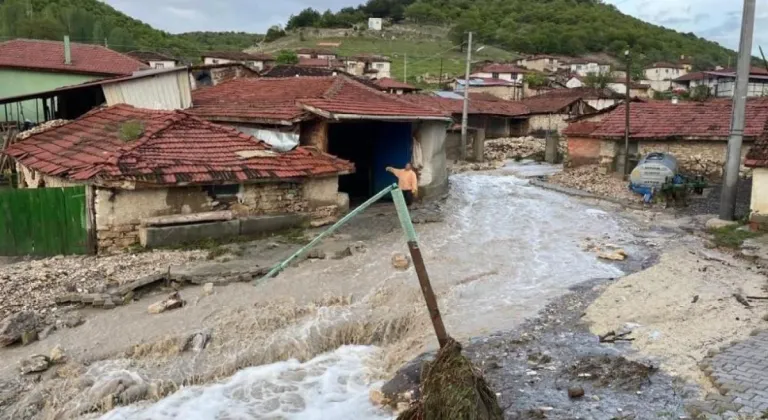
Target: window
x=215, y=60
x=495, y=75
x=218, y=192
x=158, y=65
x=379, y=66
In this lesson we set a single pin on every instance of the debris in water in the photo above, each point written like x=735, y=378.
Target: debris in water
x=575, y=392
x=401, y=262
x=453, y=389
x=612, y=371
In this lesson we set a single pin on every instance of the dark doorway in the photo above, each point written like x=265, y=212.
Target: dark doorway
x=371, y=146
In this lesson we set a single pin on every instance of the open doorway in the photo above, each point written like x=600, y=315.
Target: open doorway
x=371, y=146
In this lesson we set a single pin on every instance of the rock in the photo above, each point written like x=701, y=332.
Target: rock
x=207, y=289
x=13, y=327
x=133, y=393
x=316, y=254
x=273, y=245
x=575, y=392
x=109, y=304
x=377, y=397
x=57, y=355
x=71, y=320
x=359, y=247
x=765, y=317
x=197, y=341
x=715, y=223
x=344, y=253
x=401, y=261
x=36, y=363
x=45, y=332
x=28, y=337
x=404, y=386
x=173, y=301
x=618, y=255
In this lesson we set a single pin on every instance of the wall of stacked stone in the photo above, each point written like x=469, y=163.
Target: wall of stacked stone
x=704, y=158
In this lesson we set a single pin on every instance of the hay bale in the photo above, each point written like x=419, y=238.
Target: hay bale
x=452, y=389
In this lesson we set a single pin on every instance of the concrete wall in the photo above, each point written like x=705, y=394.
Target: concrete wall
x=383, y=69
x=548, y=122
x=430, y=137
x=321, y=191
x=759, y=203
x=20, y=82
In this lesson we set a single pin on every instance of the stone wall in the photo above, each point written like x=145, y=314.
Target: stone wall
x=315, y=133
x=544, y=122
x=695, y=157
x=29, y=178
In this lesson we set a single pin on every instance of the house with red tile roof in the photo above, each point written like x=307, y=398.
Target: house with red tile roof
x=696, y=133
x=757, y=160
x=316, y=53
x=327, y=63
x=510, y=90
x=28, y=66
x=148, y=170
x=342, y=116
x=504, y=71
x=394, y=87
x=660, y=75
x=258, y=61
x=721, y=83
x=550, y=111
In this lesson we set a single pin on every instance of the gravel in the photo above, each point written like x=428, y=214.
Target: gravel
x=33, y=285
x=588, y=178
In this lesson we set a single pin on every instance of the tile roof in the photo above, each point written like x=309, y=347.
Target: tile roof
x=314, y=51
x=147, y=56
x=476, y=107
x=483, y=96
x=389, y=83
x=698, y=120
x=555, y=100
x=319, y=62
x=173, y=148
x=289, y=100
x=501, y=68
x=49, y=56
x=696, y=75
x=486, y=81
x=286, y=70
x=238, y=56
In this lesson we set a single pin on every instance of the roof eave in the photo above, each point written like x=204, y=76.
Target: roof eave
x=390, y=117
x=249, y=120
x=68, y=71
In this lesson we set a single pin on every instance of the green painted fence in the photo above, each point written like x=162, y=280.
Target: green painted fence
x=43, y=221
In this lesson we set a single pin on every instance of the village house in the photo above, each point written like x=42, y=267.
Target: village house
x=164, y=177
x=696, y=133
x=660, y=75
x=213, y=74
x=757, y=160
x=721, y=83
x=29, y=66
x=316, y=53
x=583, y=67
x=154, y=60
x=328, y=63
x=375, y=24
x=542, y=63
x=502, y=89
x=506, y=72
x=395, y=87
x=258, y=61
x=636, y=89
x=370, y=66
x=341, y=116
x=550, y=112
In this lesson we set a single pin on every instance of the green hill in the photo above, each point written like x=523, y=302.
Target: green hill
x=92, y=21
x=568, y=27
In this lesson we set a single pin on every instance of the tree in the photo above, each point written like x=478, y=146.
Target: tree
x=306, y=18
x=423, y=13
x=535, y=80
x=700, y=93
x=42, y=28
x=274, y=33
x=287, y=57
x=121, y=40
x=598, y=80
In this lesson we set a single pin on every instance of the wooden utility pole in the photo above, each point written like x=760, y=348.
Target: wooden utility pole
x=465, y=110
x=627, y=100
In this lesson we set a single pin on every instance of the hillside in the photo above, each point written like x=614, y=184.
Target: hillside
x=426, y=48
x=91, y=21
x=568, y=27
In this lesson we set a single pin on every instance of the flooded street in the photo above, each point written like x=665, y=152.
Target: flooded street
x=503, y=251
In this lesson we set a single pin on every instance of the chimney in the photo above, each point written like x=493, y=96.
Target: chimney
x=67, y=51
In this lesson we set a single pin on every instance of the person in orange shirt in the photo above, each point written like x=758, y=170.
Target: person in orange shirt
x=406, y=181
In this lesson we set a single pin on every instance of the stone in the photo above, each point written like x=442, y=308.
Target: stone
x=344, y=253
x=575, y=392
x=57, y=355
x=377, y=397
x=28, y=337
x=109, y=304
x=765, y=317
x=316, y=254
x=401, y=261
x=207, y=289
x=36, y=363
x=72, y=320
x=45, y=332
x=715, y=223
x=173, y=301
x=617, y=255
x=273, y=245
x=133, y=393
x=197, y=342
x=14, y=326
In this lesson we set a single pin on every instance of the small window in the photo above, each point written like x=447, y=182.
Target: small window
x=495, y=75
x=222, y=191
x=159, y=65
x=215, y=61
x=379, y=65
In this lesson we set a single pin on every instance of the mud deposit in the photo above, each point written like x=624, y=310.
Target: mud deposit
x=533, y=367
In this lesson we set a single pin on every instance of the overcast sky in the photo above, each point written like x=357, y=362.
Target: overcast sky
x=717, y=20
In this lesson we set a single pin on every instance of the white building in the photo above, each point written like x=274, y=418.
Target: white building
x=258, y=61
x=316, y=53
x=375, y=24
x=506, y=72
x=154, y=60
x=585, y=67
x=370, y=66
x=660, y=76
x=543, y=63
x=721, y=83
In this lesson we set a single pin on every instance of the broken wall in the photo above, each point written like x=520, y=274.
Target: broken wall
x=429, y=150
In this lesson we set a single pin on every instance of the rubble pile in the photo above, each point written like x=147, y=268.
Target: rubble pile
x=40, y=128
x=588, y=178
x=34, y=285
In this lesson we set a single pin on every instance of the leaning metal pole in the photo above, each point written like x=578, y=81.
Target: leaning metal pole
x=733, y=155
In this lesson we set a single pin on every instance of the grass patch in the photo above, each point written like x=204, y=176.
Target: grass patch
x=131, y=130
x=731, y=236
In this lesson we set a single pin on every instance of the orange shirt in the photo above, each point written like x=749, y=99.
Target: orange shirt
x=406, y=179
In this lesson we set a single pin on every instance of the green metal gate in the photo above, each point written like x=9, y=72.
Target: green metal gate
x=43, y=221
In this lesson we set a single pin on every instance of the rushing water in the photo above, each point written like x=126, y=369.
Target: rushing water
x=505, y=248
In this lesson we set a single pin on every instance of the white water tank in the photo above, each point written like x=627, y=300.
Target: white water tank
x=653, y=170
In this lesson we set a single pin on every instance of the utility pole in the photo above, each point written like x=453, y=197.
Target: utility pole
x=106, y=44
x=440, y=83
x=628, y=81
x=405, y=68
x=466, y=101
x=733, y=155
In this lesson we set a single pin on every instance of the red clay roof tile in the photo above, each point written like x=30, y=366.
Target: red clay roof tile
x=49, y=56
x=476, y=107
x=389, y=83
x=173, y=148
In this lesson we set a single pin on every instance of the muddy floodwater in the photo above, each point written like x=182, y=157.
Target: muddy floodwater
x=504, y=249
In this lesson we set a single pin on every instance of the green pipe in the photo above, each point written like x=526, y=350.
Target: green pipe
x=280, y=267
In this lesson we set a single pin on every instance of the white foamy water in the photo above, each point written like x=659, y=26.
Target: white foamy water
x=331, y=386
